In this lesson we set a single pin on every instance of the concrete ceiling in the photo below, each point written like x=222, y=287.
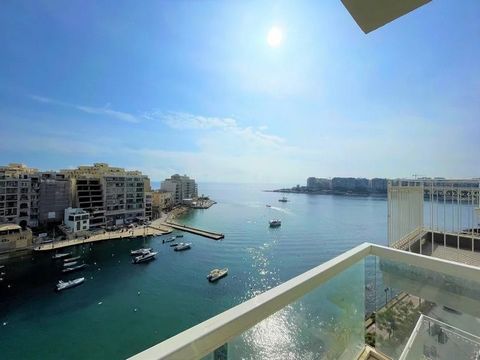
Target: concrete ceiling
x=372, y=14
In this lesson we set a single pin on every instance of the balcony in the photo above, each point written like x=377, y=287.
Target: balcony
x=433, y=313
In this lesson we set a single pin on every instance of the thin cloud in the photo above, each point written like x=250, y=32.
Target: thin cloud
x=186, y=121
x=103, y=111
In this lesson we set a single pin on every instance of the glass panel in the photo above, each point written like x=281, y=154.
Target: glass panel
x=416, y=291
x=327, y=323
x=433, y=339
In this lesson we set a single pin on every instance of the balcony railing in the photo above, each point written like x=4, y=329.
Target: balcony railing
x=321, y=313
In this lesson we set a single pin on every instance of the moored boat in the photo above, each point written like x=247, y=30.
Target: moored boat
x=140, y=251
x=275, y=223
x=75, y=258
x=62, y=285
x=217, y=274
x=179, y=236
x=74, y=268
x=171, y=239
x=60, y=255
x=173, y=245
x=71, y=263
x=144, y=257
x=183, y=246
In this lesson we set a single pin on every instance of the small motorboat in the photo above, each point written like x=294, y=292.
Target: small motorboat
x=60, y=255
x=283, y=199
x=275, y=223
x=171, y=239
x=141, y=251
x=179, y=236
x=268, y=205
x=62, y=285
x=144, y=257
x=217, y=274
x=183, y=246
x=74, y=268
x=173, y=245
x=69, y=264
x=71, y=259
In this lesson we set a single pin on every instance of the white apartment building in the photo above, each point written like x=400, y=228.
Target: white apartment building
x=182, y=187
x=76, y=219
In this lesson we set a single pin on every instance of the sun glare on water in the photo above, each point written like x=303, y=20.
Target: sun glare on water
x=274, y=37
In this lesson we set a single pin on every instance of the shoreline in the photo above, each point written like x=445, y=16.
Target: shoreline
x=329, y=192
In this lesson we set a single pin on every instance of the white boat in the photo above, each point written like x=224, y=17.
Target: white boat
x=217, y=274
x=275, y=223
x=71, y=259
x=283, y=199
x=144, y=258
x=60, y=255
x=71, y=263
x=182, y=247
x=62, y=285
x=141, y=251
x=74, y=268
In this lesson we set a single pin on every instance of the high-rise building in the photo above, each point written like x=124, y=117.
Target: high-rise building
x=182, y=187
x=111, y=195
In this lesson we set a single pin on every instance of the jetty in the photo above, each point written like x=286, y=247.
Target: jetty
x=196, y=231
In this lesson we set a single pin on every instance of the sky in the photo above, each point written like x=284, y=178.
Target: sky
x=195, y=87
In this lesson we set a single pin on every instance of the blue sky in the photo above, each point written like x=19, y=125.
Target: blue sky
x=193, y=87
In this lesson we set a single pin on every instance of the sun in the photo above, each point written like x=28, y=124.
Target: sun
x=274, y=37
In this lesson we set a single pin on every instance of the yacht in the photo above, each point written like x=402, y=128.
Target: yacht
x=62, y=285
x=60, y=255
x=217, y=274
x=141, y=251
x=71, y=259
x=144, y=257
x=275, y=223
x=74, y=268
x=283, y=199
x=182, y=247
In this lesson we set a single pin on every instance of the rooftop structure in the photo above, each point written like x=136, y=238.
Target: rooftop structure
x=436, y=217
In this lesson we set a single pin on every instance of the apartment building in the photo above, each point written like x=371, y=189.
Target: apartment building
x=161, y=200
x=19, y=194
x=112, y=195
x=182, y=187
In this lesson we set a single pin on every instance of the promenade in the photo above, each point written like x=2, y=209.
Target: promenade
x=108, y=235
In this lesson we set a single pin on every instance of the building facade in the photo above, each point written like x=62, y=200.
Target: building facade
x=54, y=198
x=76, y=219
x=111, y=195
x=317, y=184
x=161, y=200
x=182, y=187
x=19, y=195
x=13, y=237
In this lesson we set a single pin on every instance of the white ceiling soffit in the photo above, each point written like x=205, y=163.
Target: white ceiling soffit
x=372, y=14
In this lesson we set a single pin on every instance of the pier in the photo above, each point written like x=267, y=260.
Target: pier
x=192, y=230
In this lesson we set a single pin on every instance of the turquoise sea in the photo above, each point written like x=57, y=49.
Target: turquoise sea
x=124, y=308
